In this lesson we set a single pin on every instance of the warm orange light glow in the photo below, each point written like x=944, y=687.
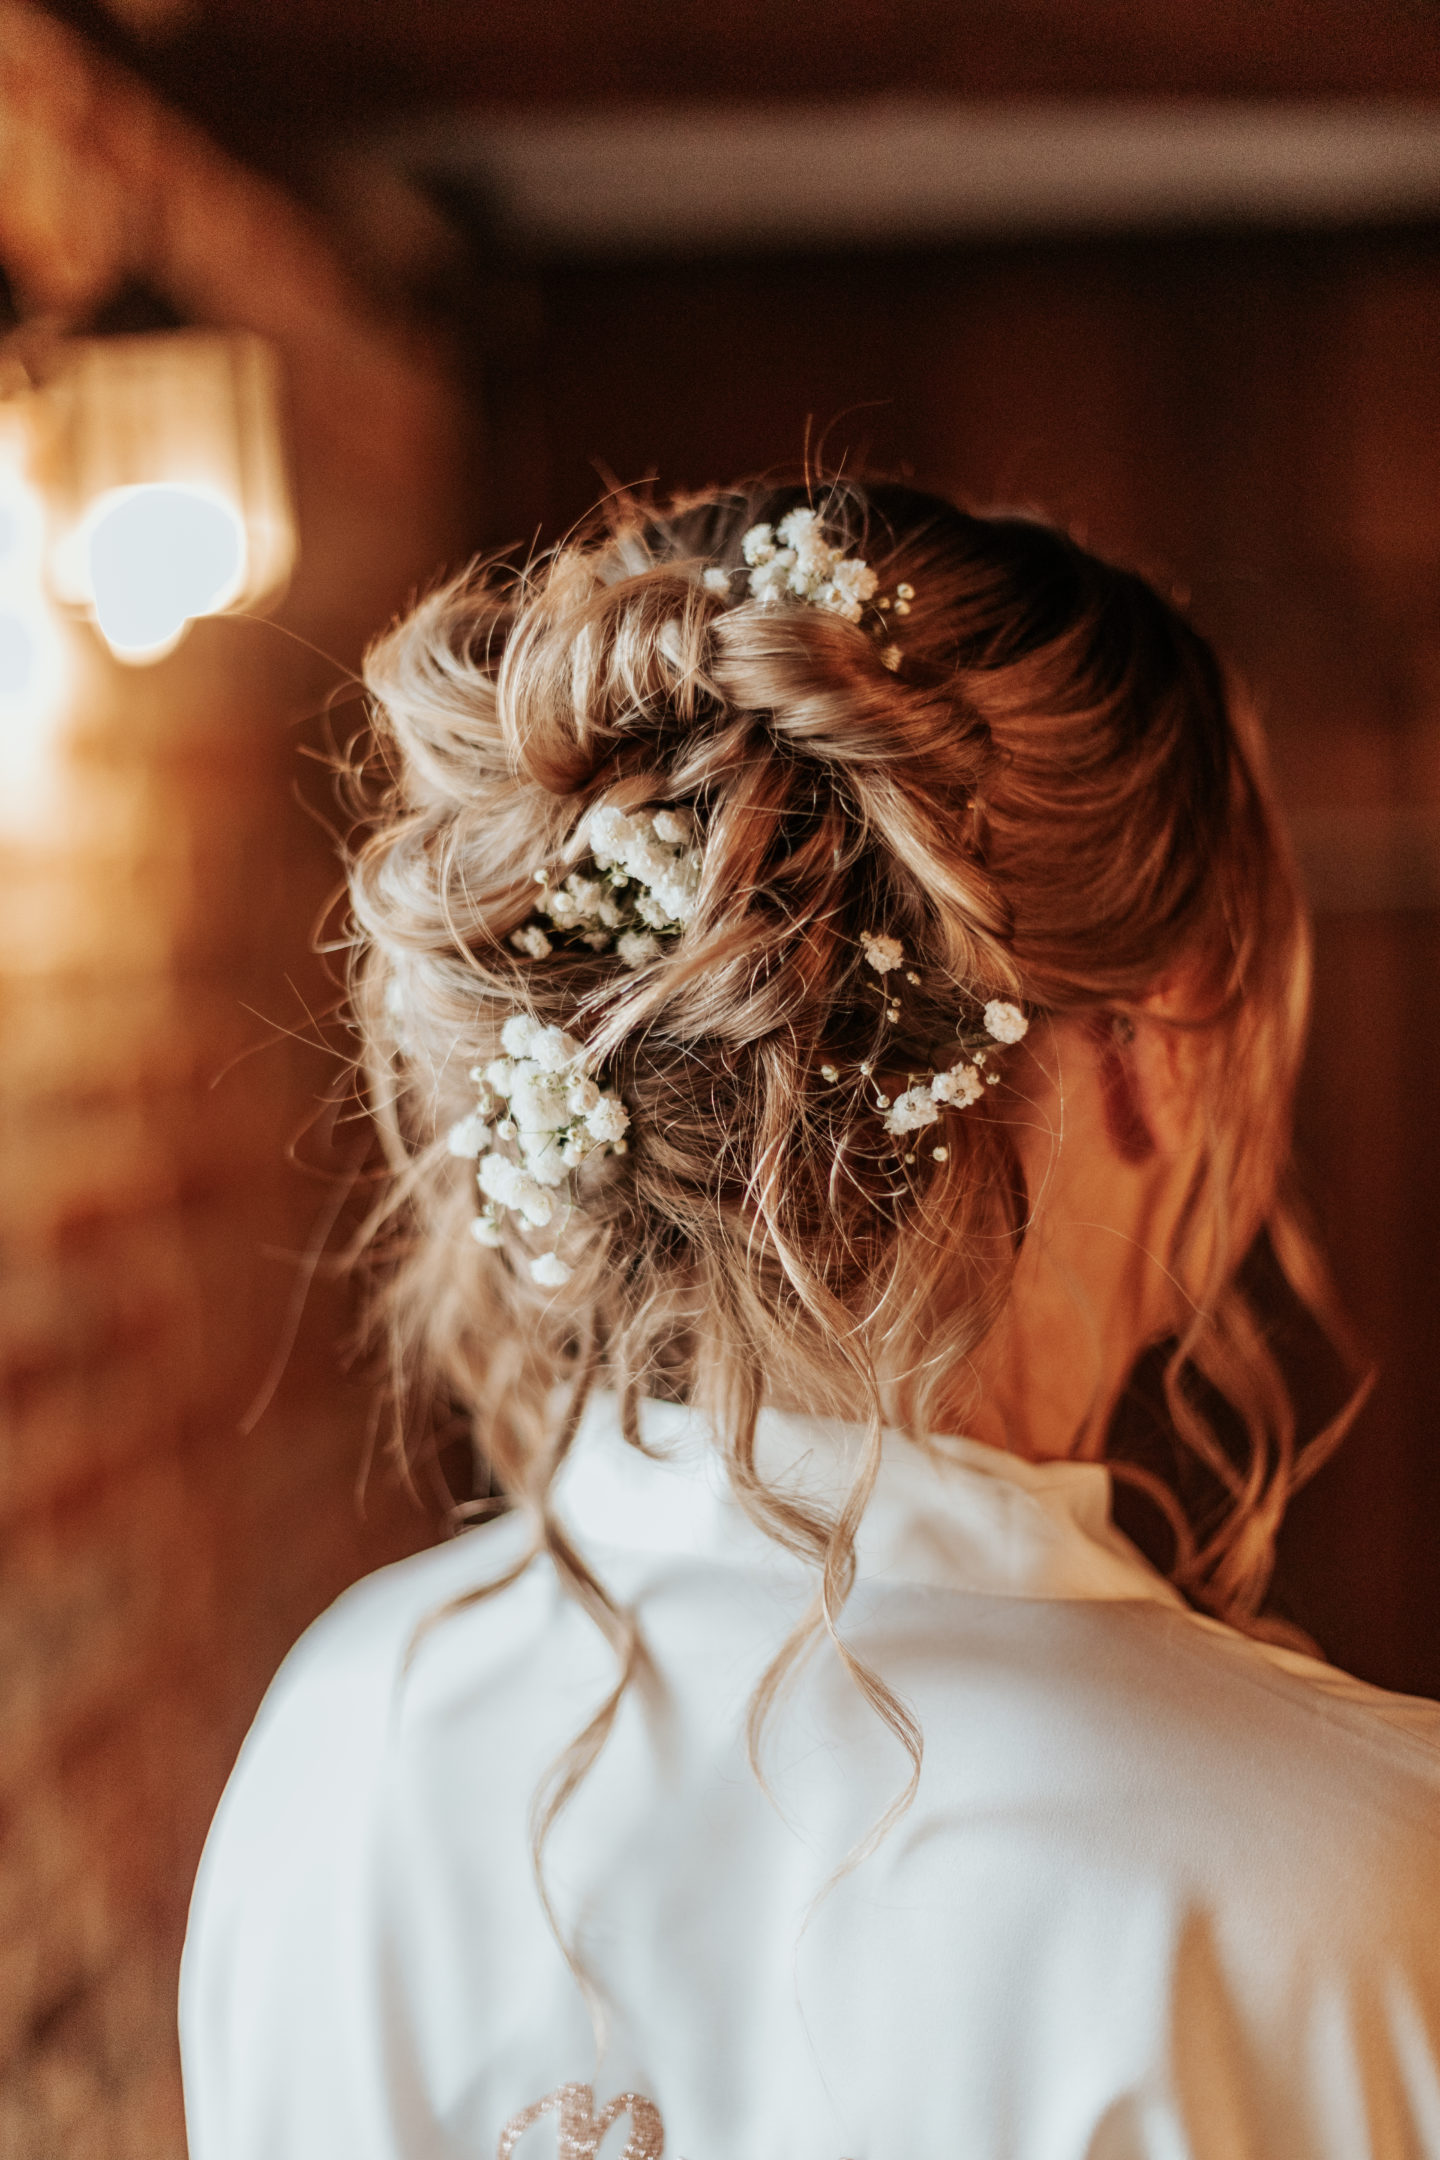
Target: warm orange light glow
x=165, y=469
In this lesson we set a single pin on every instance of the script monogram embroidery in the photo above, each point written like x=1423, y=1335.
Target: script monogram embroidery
x=581, y=2129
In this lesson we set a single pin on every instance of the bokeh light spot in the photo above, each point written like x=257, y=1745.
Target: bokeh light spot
x=159, y=557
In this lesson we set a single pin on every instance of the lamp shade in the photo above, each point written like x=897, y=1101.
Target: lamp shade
x=165, y=476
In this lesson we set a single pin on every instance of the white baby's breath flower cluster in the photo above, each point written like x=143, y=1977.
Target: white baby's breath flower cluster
x=538, y=1102
x=794, y=561
x=884, y=954
x=540, y=1114
x=640, y=886
x=920, y=1102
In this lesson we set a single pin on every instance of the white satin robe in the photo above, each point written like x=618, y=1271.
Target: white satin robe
x=1162, y=1894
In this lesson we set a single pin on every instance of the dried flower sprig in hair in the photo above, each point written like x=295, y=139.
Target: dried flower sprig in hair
x=794, y=563
x=998, y=1026
x=641, y=886
x=538, y=1102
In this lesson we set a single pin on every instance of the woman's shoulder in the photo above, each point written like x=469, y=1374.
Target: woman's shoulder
x=1385, y=1736
x=335, y=1696
x=1344, y=1774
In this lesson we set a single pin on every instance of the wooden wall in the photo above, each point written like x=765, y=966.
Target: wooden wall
x=160, y=1546
x=1252, y=417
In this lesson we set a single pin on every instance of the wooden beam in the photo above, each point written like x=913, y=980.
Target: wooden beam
x=888, y=171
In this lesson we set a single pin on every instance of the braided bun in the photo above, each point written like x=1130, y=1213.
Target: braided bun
x=1051, y=797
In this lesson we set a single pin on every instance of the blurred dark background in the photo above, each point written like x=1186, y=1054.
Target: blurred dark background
x=1170, y=274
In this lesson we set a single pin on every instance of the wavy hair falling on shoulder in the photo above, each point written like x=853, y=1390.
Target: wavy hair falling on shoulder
x=1052, y=796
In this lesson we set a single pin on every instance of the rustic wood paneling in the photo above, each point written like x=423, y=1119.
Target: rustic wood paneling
x=159, y=885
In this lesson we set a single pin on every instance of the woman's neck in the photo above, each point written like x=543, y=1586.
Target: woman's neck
x=1093, y=1286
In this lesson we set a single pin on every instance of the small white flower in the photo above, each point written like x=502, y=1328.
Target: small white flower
x=796, y=526
x=829, y=1072
x=469, y=1138
x=588, y=894
x=550, y=1271
x=608, y=832
x=517, y=1034
x=537, y=1100
x=533, y=1203
x=637, y=948
x=553, y=1050
x=758, y=544
x=716, y=580
x=485, y=1229
x=581, y=1095
x=609, y=1120
x=577, y=1146
x=890, y=657
x=651, y=911
x=498, y=1074
x=646, y=860
x=850, y=585
x=908, y=1112
x=683, y=894
x=531, y=940
x=882, y=953
x=770, y=584
x=499, y=1179
x=959, y=1087
x=814, y=562
x=940, y=1154
x=670, y=827
x=544, y=1158
x=1004, y=1021
x=579, y=900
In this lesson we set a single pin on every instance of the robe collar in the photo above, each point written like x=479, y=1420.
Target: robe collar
x=956, y=1514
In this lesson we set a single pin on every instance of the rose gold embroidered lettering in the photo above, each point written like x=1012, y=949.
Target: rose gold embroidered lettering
x=581, y=2129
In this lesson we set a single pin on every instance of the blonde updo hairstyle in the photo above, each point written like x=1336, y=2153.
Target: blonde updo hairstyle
x=1053, y=798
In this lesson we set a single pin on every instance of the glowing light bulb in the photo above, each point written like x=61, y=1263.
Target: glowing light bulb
x=157, y=557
